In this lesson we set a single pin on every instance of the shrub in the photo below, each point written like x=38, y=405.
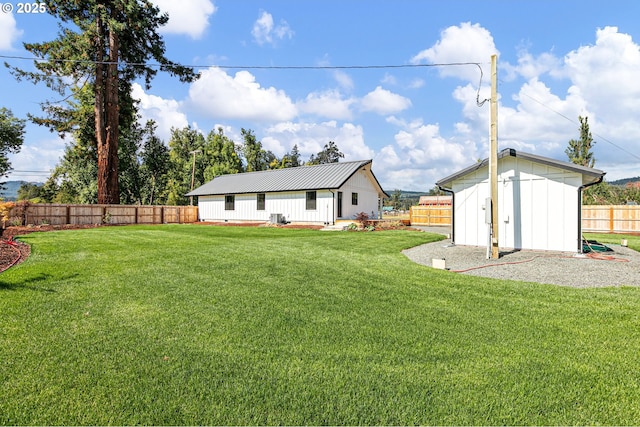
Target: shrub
x=390, y=225
x=5, y=210
x=363, y=219
x=21, y=212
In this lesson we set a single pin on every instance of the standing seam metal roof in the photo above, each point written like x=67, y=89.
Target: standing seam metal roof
x=317, y=177
x=596, y=174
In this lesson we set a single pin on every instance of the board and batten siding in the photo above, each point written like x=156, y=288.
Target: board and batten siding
x=537, y=206
x=291, y=204
x=368, y=201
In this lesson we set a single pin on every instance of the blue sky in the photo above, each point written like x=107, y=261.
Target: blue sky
x=557, y=60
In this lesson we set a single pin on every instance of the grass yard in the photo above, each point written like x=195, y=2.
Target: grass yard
x=632, y=241
x=186, y=324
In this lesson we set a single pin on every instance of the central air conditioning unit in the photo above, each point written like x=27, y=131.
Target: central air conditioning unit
x=276, y=218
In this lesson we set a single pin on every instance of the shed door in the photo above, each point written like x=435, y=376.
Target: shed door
x=339, y=204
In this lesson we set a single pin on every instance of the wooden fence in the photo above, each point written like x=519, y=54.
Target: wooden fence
x=611, y=218
x=62, y=214
x=430, y=215
x=595, y=218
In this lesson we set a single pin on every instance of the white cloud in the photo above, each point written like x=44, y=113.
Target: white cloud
x=602, y=86
x=464, y=43
x=190, y=17
x=382, y=101
x=165, y=112
x=265, y=32
x=329, y=104
x=604, y=76
x=222, y=96
x=40, y=156
x=9, y=33
x=531, y=67
x=312, y=137
x=607, y=74
x=344, y=80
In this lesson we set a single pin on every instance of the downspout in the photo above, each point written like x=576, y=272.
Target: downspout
x=453, y=205
x=580, y=189
x=333, y=208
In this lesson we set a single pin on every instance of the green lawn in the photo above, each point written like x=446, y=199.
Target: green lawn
x=632, y=241
x=188, y=324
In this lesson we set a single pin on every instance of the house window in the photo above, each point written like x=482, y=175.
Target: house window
x=311, y=200
x=260, y=200
x=354, y=199
x=229, y=202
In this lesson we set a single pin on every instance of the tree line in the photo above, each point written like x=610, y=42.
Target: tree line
x=153, y=172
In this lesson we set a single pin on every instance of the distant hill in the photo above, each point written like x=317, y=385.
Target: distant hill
x=10, y=191
x=623, y=182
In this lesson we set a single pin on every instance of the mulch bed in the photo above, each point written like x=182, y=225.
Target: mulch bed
x=12, y=253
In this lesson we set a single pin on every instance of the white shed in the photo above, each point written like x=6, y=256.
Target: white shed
x=319, y=194
x=539, y=202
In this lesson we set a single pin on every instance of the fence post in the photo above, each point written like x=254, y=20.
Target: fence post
x=611, y=227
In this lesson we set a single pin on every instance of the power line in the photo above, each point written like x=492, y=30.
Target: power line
x=268, y=67
x=249, y=67
x=312, y=67
x=574, y=122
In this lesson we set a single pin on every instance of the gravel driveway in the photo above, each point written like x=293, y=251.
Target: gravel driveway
x=618, y=268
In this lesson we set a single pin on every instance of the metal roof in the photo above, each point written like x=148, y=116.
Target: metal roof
x=595, y=174
x=317, y=177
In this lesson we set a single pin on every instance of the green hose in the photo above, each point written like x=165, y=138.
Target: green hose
x=594, y=246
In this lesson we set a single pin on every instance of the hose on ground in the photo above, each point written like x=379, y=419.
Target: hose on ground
x=593, y=254
x=13, y=246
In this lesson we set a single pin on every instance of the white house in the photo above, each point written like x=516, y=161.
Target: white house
x=539, y=202
x=319, y=194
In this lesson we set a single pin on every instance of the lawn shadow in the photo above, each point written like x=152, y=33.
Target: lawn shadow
x=28, y=284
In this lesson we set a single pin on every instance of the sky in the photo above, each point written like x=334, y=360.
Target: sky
x=400, y=82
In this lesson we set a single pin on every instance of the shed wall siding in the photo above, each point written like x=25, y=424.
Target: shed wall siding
x=537, y=207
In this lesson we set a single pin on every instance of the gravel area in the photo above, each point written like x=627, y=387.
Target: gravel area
x=602, y=269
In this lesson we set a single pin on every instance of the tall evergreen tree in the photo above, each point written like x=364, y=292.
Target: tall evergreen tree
x=182, y=145
x=11, y=138
x=255, y=156
x=579, y=151
x=155, y=163
x=104, y=43
x=329, y=154
x=290, y=159
x=221, y=155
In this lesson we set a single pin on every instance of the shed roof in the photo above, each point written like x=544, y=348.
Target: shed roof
x=590, y=175
x=303, y=178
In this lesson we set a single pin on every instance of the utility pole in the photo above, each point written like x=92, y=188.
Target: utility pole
x=493, y=159
x=193, y=173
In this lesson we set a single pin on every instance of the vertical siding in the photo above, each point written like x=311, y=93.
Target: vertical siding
x=290, y=204
x=367, y=196
x=293, y=204
x=471, y=192
x=537, y=207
